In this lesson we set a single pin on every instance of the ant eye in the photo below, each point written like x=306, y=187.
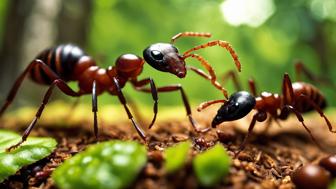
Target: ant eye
x=157, y=55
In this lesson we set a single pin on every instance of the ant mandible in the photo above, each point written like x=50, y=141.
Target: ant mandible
x=58, y=65
x=298, y=97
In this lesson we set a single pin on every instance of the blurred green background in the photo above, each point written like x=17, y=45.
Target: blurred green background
x=268, y=36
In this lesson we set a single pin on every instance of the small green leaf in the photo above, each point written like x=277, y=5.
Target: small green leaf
x=212, y=165
x=113, y=164
x=30, y=151
x=176, y=156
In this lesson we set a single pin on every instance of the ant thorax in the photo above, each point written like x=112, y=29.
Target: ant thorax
x=267, y=101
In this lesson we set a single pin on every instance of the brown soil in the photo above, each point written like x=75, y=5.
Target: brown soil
x=267, y=161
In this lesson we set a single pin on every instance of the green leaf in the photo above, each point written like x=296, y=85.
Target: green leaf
x=176, y=156
x=30, y=151
x=212, y=165
x=113, y=164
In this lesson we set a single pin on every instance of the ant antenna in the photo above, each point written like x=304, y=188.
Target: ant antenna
x=205, y=105
x=189, y=34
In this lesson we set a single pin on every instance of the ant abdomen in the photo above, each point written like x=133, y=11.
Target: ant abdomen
x=61, y=59
x=312, y=93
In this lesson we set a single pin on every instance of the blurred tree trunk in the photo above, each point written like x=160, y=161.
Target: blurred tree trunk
x=34, y=25
x=12, y=40
x=319, y=44
x=77, y=14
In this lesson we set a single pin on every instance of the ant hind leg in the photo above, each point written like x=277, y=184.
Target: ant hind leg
x=320, y=111
x=64, y=88
x=11, y=95
x=300, y=118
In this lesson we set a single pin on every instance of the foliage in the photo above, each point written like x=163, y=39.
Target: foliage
x=176, y=156
x=29, y=152
x=113, y=164
x=303, y=29
x=296, y=30
x=212, y=165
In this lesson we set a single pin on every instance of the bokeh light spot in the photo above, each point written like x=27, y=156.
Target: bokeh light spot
x=247, y=12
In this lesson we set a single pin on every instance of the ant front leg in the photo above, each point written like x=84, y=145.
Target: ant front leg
x=139, y=85
x=129, y=114
x=208, y=77
x=63, y=87
x=185, y=102
x=19, y=80
x=260, y=116
x=178, y=87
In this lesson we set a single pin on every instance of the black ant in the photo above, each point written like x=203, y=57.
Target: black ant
x=56, y=66
x=297, y=98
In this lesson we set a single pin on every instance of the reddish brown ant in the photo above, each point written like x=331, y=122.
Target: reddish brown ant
x=297, y=98
x=58, y=65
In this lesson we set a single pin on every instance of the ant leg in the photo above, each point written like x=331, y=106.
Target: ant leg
x=287, y=90
x=64, y=88
x=208, y=77
x=135, y=109
x=300, y=118
x=252, y=86
x=249, y=131
x=186, y=104
x=268, y=125
x=206, y=104
x=18, y=82
x=199, y=72
x=129, y=114
x=232, y=75
x=301, y=69
x=139, y=85
x=220, y=43
x=95, y=108
x=176, y=87
x=189, y=34
x=319, y=110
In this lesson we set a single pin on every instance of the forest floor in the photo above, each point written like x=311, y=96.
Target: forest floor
x=267, y=161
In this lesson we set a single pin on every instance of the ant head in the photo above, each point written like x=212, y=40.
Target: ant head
x=165, y=57
x=238, y=106
x=129, y=65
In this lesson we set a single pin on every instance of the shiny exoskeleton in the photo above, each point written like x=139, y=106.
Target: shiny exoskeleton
x=56, y=66
x=296, y=98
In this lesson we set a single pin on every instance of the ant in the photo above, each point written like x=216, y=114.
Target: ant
x=297, y=98
x=58, y=65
